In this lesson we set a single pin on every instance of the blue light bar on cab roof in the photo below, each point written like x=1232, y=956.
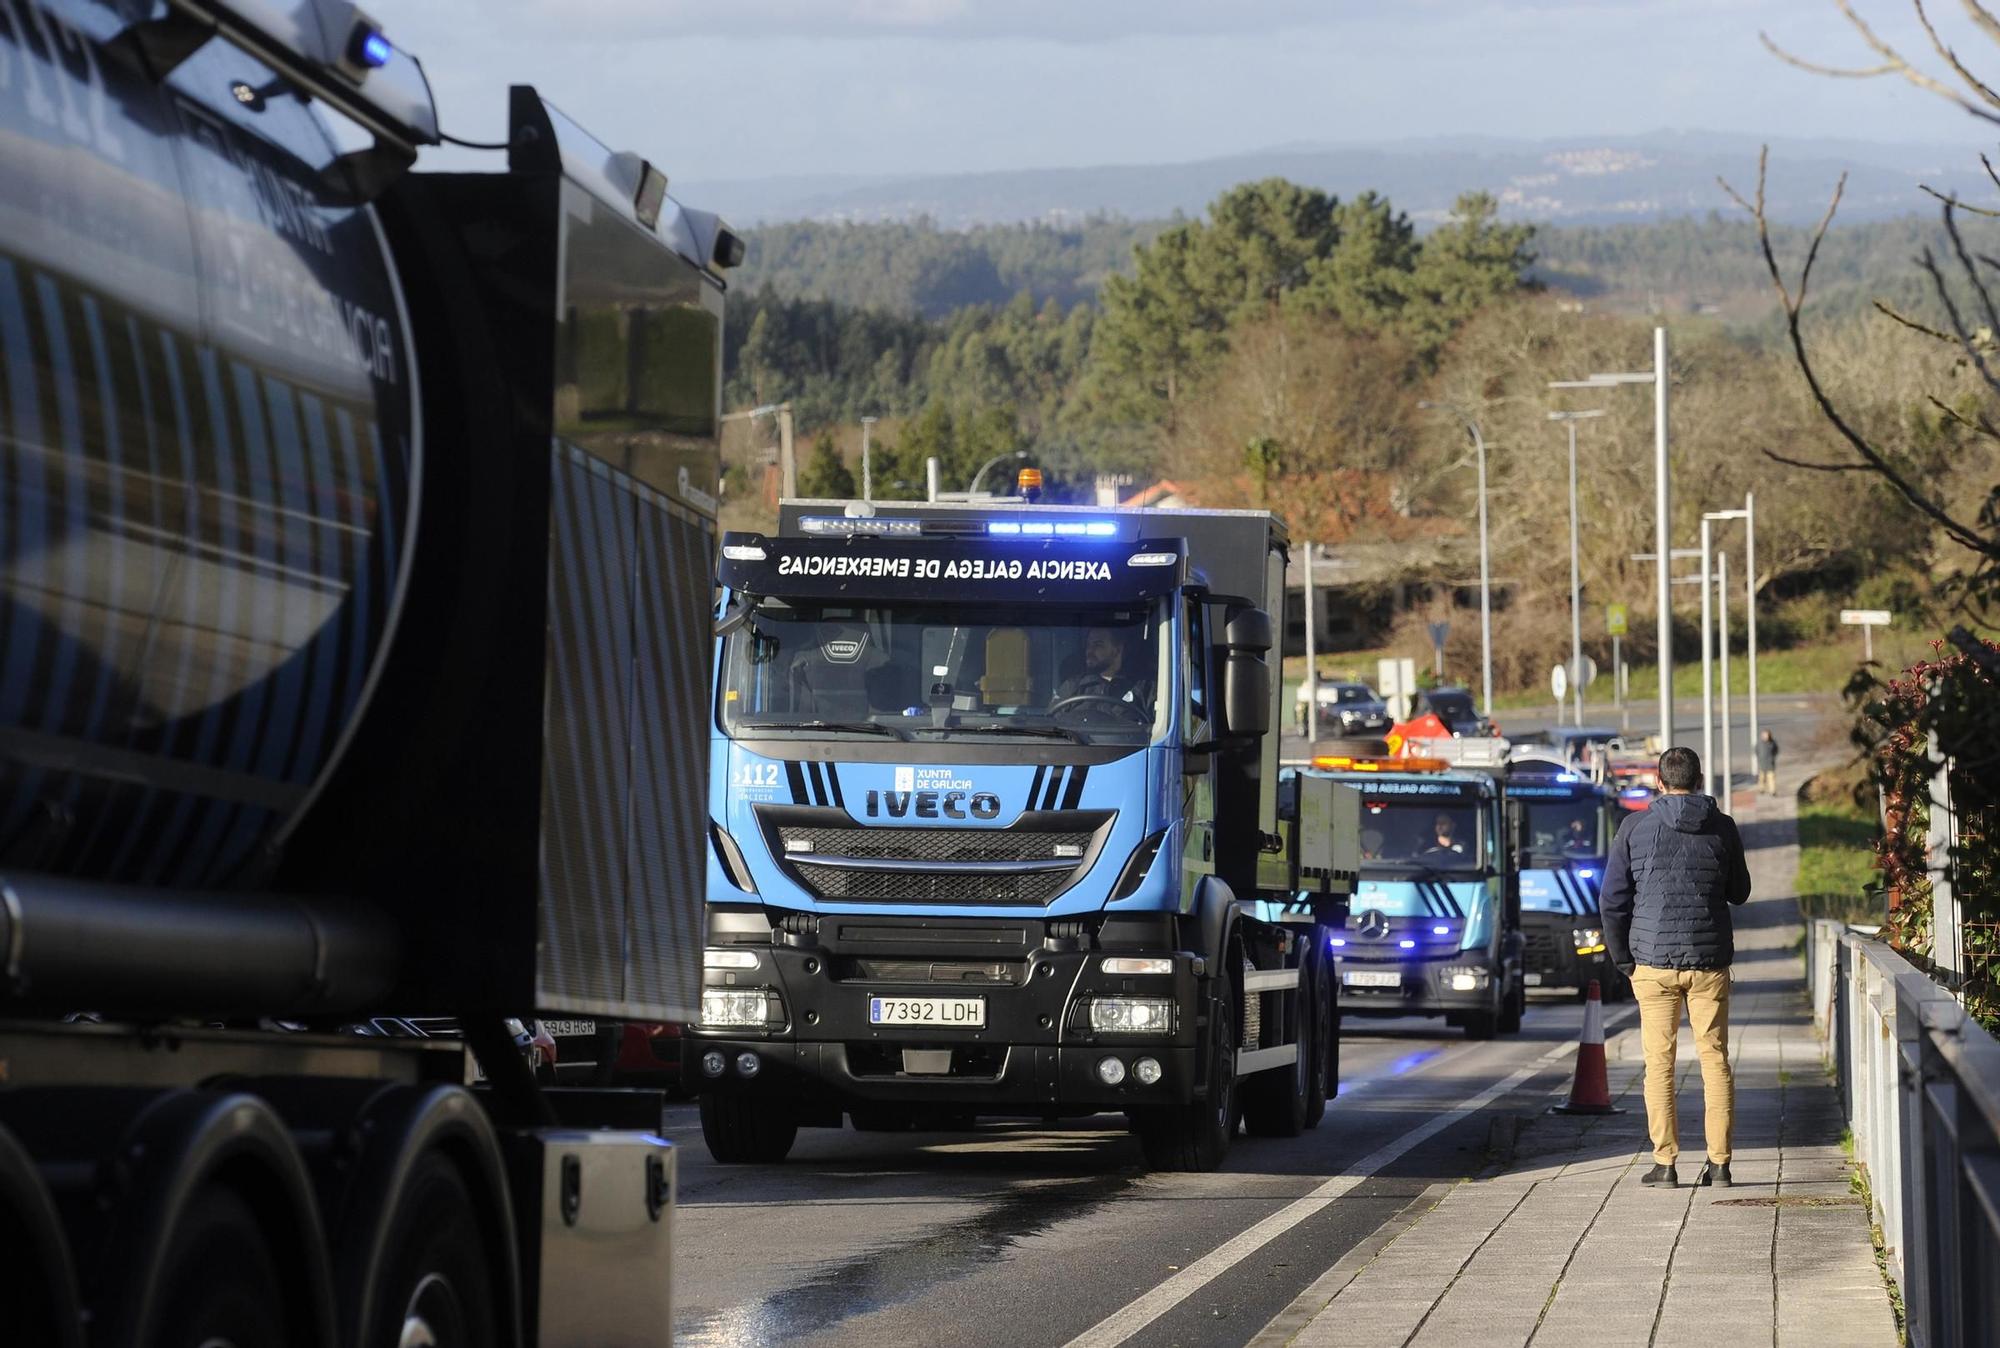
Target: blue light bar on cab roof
x=375, y=50
x=1568, y=777
x=1046, y=529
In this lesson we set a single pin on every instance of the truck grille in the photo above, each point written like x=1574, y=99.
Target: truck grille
x=1539, y=950
x=1026, y=865
x=932, y=844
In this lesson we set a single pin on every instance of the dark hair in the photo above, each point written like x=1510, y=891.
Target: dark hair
x=1680, y=769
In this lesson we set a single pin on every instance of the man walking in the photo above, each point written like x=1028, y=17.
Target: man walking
x=1767, y=764
x=1673, y=872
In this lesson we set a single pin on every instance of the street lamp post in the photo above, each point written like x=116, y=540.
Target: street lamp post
x=1575, y=581
x=1722, y=622
x=867, y=477
x=1707, y=689
x=1485, y=558
x=788, y=479
x=973, y=489
x=1750, y=601
x=1662, y=512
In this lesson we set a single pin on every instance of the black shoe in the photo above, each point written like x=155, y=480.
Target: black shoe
x=1661, y=1177
x=1718, y=1175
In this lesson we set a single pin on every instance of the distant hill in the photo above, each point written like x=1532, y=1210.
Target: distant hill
x=1706, y=265
x=1581, y=180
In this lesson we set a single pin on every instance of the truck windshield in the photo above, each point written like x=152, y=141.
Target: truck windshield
x=1568, y=828
x=925, y=671
x=1434, y=835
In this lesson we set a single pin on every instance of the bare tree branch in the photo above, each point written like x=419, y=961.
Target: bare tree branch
x=1951, y=58
x=1981, y=16
x=1776, y=457
x=1913, y=325
x=1961, y=533
x=1955, y=202
x=1977, y=425
x=1893, y=63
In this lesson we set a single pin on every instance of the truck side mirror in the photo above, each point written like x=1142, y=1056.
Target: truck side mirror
x=1246, y=678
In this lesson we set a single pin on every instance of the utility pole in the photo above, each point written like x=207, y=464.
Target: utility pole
x=1750, y=601
x=1485, y=559
x=867, y=476
x=1707, y=657
x=1312, y=655
x=1722, y=620
x=1570, y=419
x=1662, y=512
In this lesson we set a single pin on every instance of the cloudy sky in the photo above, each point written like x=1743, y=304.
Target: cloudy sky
x=723, y=89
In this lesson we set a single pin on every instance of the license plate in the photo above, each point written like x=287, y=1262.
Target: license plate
x=570, y=1029
x=1532, y=980
x=1373, y=978
x=939, y=1011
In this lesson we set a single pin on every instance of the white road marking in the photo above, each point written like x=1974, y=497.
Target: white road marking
x=1123, y=1324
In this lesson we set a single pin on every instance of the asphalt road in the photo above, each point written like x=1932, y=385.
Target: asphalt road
x=1025, y=1233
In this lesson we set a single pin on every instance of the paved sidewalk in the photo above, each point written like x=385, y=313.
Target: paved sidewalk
x=1563, y=1246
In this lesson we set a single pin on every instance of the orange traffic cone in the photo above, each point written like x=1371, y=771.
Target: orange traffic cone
x=1591, y=1091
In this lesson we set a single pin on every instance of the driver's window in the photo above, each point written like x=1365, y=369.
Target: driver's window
x=1197, y=674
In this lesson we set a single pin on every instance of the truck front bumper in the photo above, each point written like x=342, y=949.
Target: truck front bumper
x=1035, y=1052
x=1421, y=988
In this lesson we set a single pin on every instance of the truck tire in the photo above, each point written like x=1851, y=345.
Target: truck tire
x=1480, y=1024
x=1513, y=1009
x=221, y=1283
x=1276, y=1102
x=434, y=1267
x=1326, y=1041
x=743, y=1130
x=1196, y=1136
x=37, y=1278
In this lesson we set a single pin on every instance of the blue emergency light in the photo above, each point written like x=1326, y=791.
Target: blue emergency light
x=1045, y=529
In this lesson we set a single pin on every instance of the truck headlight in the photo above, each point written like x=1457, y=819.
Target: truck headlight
x=1464, y=977
x=741, y=1008
x=1589, y=940
x=1132, y=1015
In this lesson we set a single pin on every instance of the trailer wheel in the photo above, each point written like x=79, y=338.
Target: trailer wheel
x=1196, y=1136
x=37, y=1279
x=222, y=1285
x=741, y=1129
x=437, y=1287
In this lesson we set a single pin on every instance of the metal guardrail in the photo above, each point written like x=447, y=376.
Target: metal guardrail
x=1920, y=1086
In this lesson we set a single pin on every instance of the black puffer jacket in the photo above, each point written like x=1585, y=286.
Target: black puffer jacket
x=1674, y=871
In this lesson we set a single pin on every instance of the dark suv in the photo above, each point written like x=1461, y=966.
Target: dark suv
x=1455, y=707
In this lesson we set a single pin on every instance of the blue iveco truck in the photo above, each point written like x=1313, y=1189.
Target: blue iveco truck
x=1565, y=825
x=1435, y=928
x=997, y=831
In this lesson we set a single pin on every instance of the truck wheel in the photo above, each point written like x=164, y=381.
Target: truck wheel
x=437, y=1286
x=1276, y=1102
x=1480, y=1024
x=1513, y=1008
x=743, y=1130
x=1325, y=1020
x=222, y=1284
x=37, y=1278
x=1196, y=1136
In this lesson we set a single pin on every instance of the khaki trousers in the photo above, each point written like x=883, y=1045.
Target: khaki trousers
x=1660, y=994
x=1767, y=782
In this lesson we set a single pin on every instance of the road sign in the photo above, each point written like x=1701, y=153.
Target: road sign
x=1439, y=631
x=1559, y=682
x=1585, y=673
x=1865, y=617
x=1615, y=618
x=1396, y=681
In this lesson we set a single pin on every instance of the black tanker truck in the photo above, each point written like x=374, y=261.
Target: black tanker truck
x=356, y=552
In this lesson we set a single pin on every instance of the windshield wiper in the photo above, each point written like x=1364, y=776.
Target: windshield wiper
x=862, y=727
x=1046, y=732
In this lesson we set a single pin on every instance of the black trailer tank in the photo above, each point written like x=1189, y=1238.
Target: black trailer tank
x=210, y=440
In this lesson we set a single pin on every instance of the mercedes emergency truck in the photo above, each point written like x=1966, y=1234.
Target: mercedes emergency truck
x=356, y=558
x=1435, y=924
x=1565, y=824
x=996, y=830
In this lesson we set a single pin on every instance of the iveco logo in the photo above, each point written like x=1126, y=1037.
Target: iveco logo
x=1373, y=925
x=843, y=651
x=933, y=804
